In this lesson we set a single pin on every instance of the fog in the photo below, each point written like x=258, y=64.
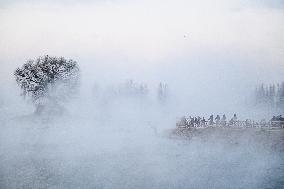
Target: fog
x=211, y=55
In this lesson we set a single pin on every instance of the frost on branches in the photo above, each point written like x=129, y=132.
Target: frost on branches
x=48, y=82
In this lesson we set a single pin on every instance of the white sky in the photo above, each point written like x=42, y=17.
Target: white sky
x=144, y=36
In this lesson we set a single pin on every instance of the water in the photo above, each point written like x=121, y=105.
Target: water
x=78, y=153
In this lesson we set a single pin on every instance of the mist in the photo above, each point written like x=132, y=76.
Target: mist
x=210, y=55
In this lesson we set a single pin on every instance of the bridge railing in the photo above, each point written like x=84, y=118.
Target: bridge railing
x=186, y=123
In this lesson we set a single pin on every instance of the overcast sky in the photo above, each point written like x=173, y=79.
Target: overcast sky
x=224, y=41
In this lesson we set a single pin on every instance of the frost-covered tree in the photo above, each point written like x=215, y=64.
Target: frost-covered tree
x=48, y=81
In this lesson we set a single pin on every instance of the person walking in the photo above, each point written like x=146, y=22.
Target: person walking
x=217, y=120
x=223, y=121
x=211, y=120
x=203, y=122
x=234, y=119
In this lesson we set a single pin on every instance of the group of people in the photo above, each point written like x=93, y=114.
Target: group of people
x=277, y=118
x=276, y=121
x=198, y=121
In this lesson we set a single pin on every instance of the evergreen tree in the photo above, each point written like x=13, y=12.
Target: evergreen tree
x=281, y=96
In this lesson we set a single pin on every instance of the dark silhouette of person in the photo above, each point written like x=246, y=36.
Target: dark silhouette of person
x=234, y=119
x=192, y=122
x=211, y=120
x=198, y=120
x=217, y=119
x=203, y=121
x=224, y=119
x=195, y=120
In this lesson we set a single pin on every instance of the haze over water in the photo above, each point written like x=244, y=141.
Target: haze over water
x=210, y=54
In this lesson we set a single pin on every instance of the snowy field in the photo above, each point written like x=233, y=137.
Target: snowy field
x=83, y=153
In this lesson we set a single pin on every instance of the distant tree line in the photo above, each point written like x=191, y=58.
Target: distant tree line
x=163, y=92
x=49, y=82
x=270, y=95
x=132, y=89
